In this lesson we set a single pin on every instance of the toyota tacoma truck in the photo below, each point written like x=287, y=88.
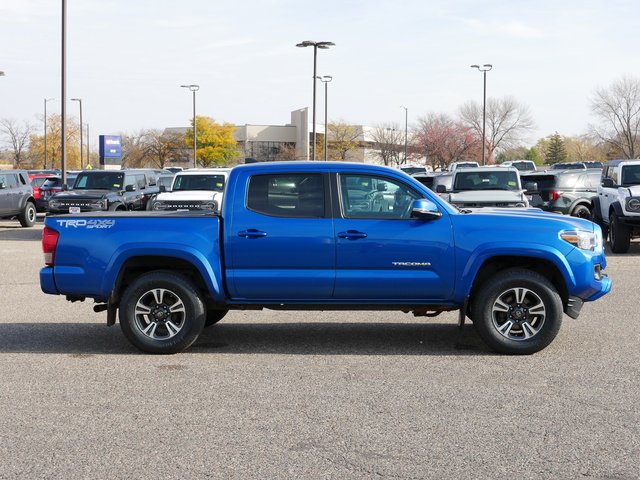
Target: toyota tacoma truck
x=327, y=236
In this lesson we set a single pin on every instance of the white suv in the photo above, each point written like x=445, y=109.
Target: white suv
x=194, y=189
x=616, y=208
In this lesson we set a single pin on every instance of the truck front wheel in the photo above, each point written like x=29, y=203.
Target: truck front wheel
x=162, y=312
x=619, y=235
x=517, y=312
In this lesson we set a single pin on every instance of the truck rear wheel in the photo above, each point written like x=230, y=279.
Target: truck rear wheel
x=162, y=312
x=517, y=312
x=619, y=235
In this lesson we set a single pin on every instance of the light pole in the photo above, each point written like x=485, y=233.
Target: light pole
x=484, y=69
x=316, y=46
x=81, y=143
x=45, y=131
x=194, y=89
x=406, y=123
x=326, y=79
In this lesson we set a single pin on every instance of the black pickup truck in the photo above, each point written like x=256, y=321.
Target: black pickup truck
x=114, y=190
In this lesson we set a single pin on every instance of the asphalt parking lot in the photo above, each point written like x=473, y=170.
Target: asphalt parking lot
x=312, y=395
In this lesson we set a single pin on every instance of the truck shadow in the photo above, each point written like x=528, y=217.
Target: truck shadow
x=87, y=339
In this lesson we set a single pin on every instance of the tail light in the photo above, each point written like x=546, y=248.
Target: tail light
x=555, y=195
x=49, y=244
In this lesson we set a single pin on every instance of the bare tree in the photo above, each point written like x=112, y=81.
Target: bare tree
x=134, y=149
x=161, y=147
x=507, y=123
x=618, y=109
x=16, y=136
x=389, y=143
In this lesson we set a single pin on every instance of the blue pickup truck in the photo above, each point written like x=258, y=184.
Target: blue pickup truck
x=327, y=236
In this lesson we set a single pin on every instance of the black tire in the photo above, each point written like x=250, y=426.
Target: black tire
x=214, y=316
x=619, y=235
x=581, y=211
x=517, y=312
x=162, y=312
x=28, y=215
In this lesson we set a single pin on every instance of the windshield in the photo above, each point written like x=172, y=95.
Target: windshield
x=494, y=180
x=199, y=182
x=102, y=181
x=631, y=175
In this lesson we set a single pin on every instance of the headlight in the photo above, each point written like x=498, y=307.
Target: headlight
x=99, y=205
x=633, y=204
x=580, y=238
x=159, y=206
x=212, y=205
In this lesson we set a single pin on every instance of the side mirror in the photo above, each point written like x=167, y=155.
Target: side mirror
x=608, y=182
x=162, y=188
x=425, y=210
x=130, y=188
x=531, y=187
x=441, y=189
x=2, y=186
x=65, y=187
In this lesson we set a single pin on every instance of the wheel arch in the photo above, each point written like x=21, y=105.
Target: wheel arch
x=616, y=208
x=581, y=202
x=544, y=267
x=194, y=268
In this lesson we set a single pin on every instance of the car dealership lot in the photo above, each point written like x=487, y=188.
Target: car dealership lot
x=312, y=395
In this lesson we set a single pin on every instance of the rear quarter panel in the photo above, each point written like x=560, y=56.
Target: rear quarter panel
x=93, y=247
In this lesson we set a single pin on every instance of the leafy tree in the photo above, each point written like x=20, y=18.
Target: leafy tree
x=556, y=151
x=533, y=155
x=16, y=137
x=618, y=110
x=442, y=140
x=583, y=148
x=342, y=139
x=507, y=122
x=216, y=145
x=519, y=153
x=54, y=145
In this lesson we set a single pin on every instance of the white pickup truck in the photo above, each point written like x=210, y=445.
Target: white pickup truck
x=193, y=189
x=616, y=208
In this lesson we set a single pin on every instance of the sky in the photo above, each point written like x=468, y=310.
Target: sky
x=126, y=59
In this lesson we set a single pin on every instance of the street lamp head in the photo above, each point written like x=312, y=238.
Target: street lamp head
x=1, y=74
x=193, y=88
x=325, y=78
x=485, y=68
x=76, y=99
x=311, y=43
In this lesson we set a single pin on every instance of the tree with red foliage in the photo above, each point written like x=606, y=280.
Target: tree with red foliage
x=442, y=140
